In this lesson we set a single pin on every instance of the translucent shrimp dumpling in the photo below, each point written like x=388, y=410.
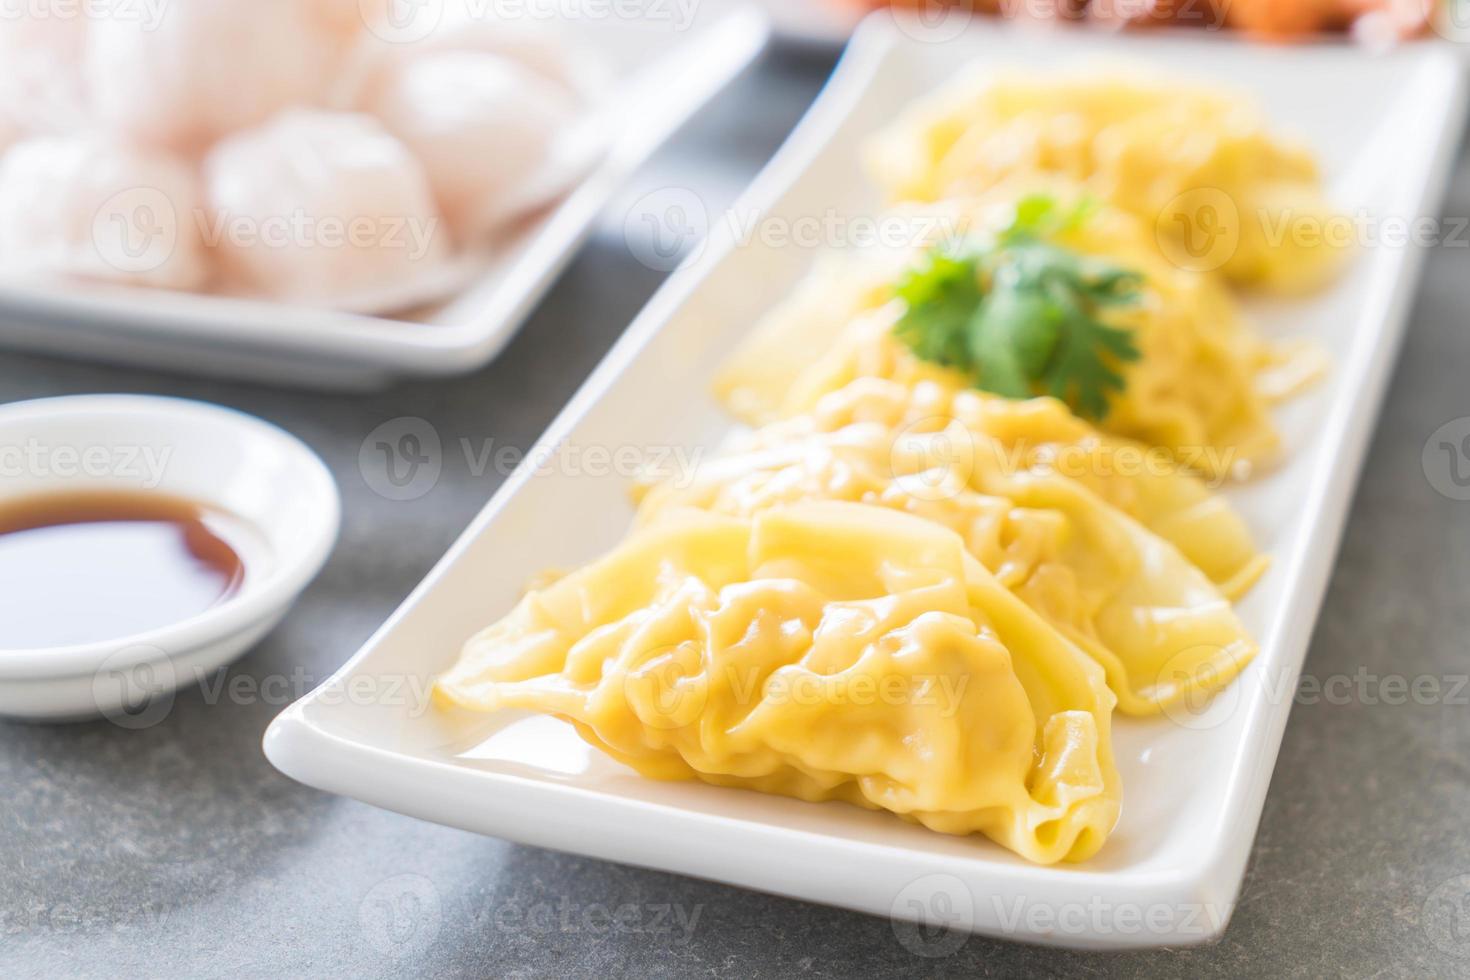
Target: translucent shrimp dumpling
x=492, y=134
x=344, y=20
x=84, y=207
x=321, y=208
x=547, y=52
x=42, y=90
x=207, y=69
x=10, y=132
x=540, y=45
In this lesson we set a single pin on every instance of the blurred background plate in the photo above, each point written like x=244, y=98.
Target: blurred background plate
x=664, y=69
x=812, y=21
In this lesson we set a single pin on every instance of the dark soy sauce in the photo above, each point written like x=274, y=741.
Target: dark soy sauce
x=87, y=566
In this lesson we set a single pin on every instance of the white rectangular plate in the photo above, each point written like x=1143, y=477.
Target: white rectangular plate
x=662, y=69
x=1384, y=129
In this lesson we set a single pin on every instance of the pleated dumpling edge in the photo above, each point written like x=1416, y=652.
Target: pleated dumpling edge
x=825, y=651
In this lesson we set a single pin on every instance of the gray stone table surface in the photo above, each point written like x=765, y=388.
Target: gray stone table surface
x=178, y=851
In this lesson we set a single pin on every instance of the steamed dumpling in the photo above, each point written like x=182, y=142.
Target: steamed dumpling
x=11, y=131
x=1039, y=436
x=1154, y=622
x=539, y=46
x=42, y=90
x=91, y=208
x=1159, y=150
x=342, y=20
x=751, y=653
x=1201, y=387
x=485, y=128
x=321, y=208
x=207, y=69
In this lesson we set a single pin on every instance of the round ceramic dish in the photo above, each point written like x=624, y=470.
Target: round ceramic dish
x=215, y=456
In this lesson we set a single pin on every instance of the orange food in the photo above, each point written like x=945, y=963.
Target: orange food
x=1146, y=13
x=1290, y=18
x=1268, y=19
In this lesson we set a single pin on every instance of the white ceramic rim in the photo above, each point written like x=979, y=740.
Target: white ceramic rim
x=235, y=614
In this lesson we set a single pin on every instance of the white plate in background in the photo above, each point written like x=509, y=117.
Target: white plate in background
x=663, y=70
x=1384, y=128
x=812, y=21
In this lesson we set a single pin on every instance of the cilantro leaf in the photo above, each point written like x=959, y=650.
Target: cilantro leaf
x=1012, y=336
x=1022, y=315
x=946, y=289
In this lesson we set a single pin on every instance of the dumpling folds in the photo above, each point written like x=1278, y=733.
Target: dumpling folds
x=1155, y=622
x=1198, y=165
x=1038, y=435
x=826, y=651
x=1202, y=387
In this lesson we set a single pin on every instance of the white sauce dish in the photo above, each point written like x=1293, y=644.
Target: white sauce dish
x=145, y=542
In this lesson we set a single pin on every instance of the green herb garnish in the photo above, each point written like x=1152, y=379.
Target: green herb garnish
x=1021, y=314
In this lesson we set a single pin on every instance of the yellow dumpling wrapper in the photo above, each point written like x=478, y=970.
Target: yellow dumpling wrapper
x=1157, y=625
x=1199, y=167
x=825, y=651
x=1202, y=387
x=1039, y=435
